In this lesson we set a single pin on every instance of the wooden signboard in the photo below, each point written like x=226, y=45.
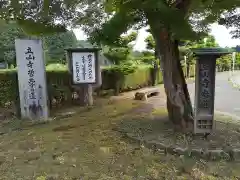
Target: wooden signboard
x=84, y=68
x=84, y=65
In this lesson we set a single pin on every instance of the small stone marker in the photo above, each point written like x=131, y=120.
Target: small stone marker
x=205, y=87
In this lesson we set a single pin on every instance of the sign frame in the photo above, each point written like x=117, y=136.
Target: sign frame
x=95, y=51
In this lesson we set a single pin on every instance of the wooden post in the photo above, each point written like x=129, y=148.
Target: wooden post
x=85, y=95
x=83, y=64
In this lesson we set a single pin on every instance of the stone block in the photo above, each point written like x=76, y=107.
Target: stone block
x=160, y=145
x=235, y=154
x=170, y=149
x=198, y=153
x=150, y=144
x=181, y=151
x=215, y=154
x=134, y=137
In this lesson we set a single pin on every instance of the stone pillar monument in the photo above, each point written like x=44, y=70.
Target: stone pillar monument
x=205, y=88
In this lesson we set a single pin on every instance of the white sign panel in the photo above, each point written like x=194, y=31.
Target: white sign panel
x=31, y=79
x=83, y=67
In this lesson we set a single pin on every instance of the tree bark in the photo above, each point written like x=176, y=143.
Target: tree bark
x=178, y=101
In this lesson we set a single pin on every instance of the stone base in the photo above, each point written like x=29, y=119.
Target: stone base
x=207, y=154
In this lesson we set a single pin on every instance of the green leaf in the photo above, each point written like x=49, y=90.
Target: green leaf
x=39, y=28
x=120, y=22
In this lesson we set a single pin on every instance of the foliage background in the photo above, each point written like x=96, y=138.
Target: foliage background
x=60, y=91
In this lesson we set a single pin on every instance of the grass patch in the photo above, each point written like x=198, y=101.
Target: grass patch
x=87, y=146
x=159, y=129
x=159, y=112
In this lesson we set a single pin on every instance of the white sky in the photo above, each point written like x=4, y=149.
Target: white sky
x=219, y=32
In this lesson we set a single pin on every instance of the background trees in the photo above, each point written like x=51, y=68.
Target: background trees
x=8, y=33
x=120, y=53
x=54, y=45
x=170, y=22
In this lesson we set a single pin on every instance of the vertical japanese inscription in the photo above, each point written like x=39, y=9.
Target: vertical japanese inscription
x=205, y=93
x=83, y=67
x=77, y=70
x=90, y=72
x=31, y=80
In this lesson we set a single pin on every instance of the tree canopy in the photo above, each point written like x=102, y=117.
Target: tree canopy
x=121, y=54
x=232, y=20
x=184, y=24
x=54, y=45
x=170, y=21
x=184, y=18
x=8, y=33
x=39, y=16
x=150, y=43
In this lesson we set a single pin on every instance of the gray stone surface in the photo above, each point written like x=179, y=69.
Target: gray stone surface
x=235, y=154
x=181, y=151
x=160, y=145
x=150, y=144
x=135, y=138
x=196, y=152
x=215, y=154
x=208, y=154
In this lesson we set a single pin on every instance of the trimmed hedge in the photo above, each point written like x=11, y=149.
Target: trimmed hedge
x=8, y=86
x=60, y=90
x=119, y=82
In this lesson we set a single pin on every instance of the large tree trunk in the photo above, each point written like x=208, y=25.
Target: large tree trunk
x=178, y=100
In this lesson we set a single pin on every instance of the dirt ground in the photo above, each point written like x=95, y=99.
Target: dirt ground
x=87, y=146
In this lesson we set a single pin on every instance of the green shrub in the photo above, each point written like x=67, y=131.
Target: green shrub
x=117, y=55
x=140, y=78
x=124, y=77
x=148, y=59
x=9, y=91
x=56, y=67
x=117, y=78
